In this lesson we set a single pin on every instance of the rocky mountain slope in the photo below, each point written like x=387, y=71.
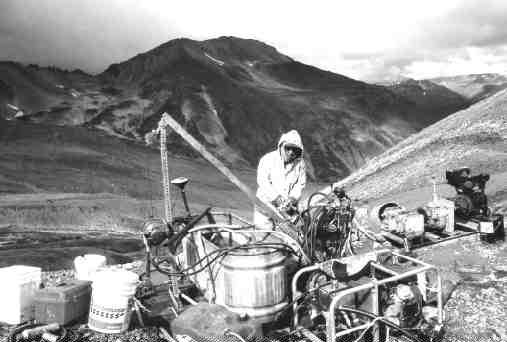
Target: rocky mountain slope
x=474, y=87
x=235, y=95
x=475, y=137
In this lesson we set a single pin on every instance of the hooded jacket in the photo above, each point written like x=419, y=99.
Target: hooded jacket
x=276, y=178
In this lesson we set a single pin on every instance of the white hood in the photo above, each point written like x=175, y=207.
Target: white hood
x=291, y=138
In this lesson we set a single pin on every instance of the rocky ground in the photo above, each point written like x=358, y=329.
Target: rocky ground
x=477, y=309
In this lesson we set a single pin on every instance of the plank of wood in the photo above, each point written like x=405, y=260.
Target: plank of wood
x=271, y=210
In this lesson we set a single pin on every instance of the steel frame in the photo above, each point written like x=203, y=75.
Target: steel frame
x=420, y=272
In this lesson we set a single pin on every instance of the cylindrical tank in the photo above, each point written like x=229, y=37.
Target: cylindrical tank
x=254, y=282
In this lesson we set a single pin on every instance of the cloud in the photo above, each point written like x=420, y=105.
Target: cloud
x=470, y=60
x=364, y=39
x=470, y=38
x=474, y=23
x=88, y=34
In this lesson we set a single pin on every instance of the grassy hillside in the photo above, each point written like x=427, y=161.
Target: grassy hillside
x=73, y=176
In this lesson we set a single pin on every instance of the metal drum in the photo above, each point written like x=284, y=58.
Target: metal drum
x=254, y=282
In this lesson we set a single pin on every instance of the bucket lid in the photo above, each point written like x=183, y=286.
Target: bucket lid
x=115, y=277
x=19, y=272
x=95, y=258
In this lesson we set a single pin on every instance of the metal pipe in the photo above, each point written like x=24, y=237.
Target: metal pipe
x=295, y=292
x=384, y=269
x=440, y=300
x=351, y=330
x=332, y=307
x=375, y=309
x=414, y=260
x=404, y=275
x=185, y=202
x=188, y=299
x=331, y=331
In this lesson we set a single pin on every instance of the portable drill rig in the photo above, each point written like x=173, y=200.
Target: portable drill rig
x=300, y=288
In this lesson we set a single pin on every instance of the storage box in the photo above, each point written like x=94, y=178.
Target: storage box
x=17, y=289
x=492, y=229
x=67, y=302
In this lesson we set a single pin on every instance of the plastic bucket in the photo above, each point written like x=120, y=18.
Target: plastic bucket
x=112, y=300
x=17, y=290
x=87, y=265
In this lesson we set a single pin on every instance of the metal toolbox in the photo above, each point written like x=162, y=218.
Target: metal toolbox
x=64, y=303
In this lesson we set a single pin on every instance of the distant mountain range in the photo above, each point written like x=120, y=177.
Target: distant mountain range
x=236, y=96
x=474, y=87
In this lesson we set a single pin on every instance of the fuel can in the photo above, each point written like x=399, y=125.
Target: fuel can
x=64, y=303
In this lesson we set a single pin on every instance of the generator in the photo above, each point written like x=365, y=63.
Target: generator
x=471, y=204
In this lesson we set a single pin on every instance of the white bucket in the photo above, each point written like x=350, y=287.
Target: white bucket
x=17, y=290
x=112, y=300
x=87, y=265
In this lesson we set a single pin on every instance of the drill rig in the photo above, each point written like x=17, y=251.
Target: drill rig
x=273, y=280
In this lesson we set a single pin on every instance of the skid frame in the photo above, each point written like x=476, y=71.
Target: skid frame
x=420, y=271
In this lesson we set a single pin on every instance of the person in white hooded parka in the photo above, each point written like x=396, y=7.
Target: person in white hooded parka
x=281, y=177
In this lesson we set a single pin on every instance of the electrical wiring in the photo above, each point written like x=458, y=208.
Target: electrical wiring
x=190, y=270
x=318, y=217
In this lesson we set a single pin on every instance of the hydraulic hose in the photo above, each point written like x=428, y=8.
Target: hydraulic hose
x=174, y=240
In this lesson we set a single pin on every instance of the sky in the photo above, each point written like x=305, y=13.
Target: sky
x=368, y=40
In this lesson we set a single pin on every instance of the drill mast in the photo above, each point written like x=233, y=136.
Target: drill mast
x=166, y=187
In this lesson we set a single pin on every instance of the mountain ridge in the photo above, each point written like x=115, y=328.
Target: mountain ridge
x=475, y=87
x=236, y=96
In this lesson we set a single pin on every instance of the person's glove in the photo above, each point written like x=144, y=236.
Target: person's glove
x=291, y=206
x=278, y=201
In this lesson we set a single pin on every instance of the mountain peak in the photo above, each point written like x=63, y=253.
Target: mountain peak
x=226, y=49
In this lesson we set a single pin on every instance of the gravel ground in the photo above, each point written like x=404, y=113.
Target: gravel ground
x=477, y=309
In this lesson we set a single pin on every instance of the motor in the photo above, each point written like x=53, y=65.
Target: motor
x=471, y=203
x=470, y=198
x=394, y=218
x=404, y=306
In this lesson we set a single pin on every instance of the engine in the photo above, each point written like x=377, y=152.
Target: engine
x=394, y=218
x=470, y=200
x=327, y=226
x=404, y=305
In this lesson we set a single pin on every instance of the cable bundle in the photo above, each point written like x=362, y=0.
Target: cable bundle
x=327, y=227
